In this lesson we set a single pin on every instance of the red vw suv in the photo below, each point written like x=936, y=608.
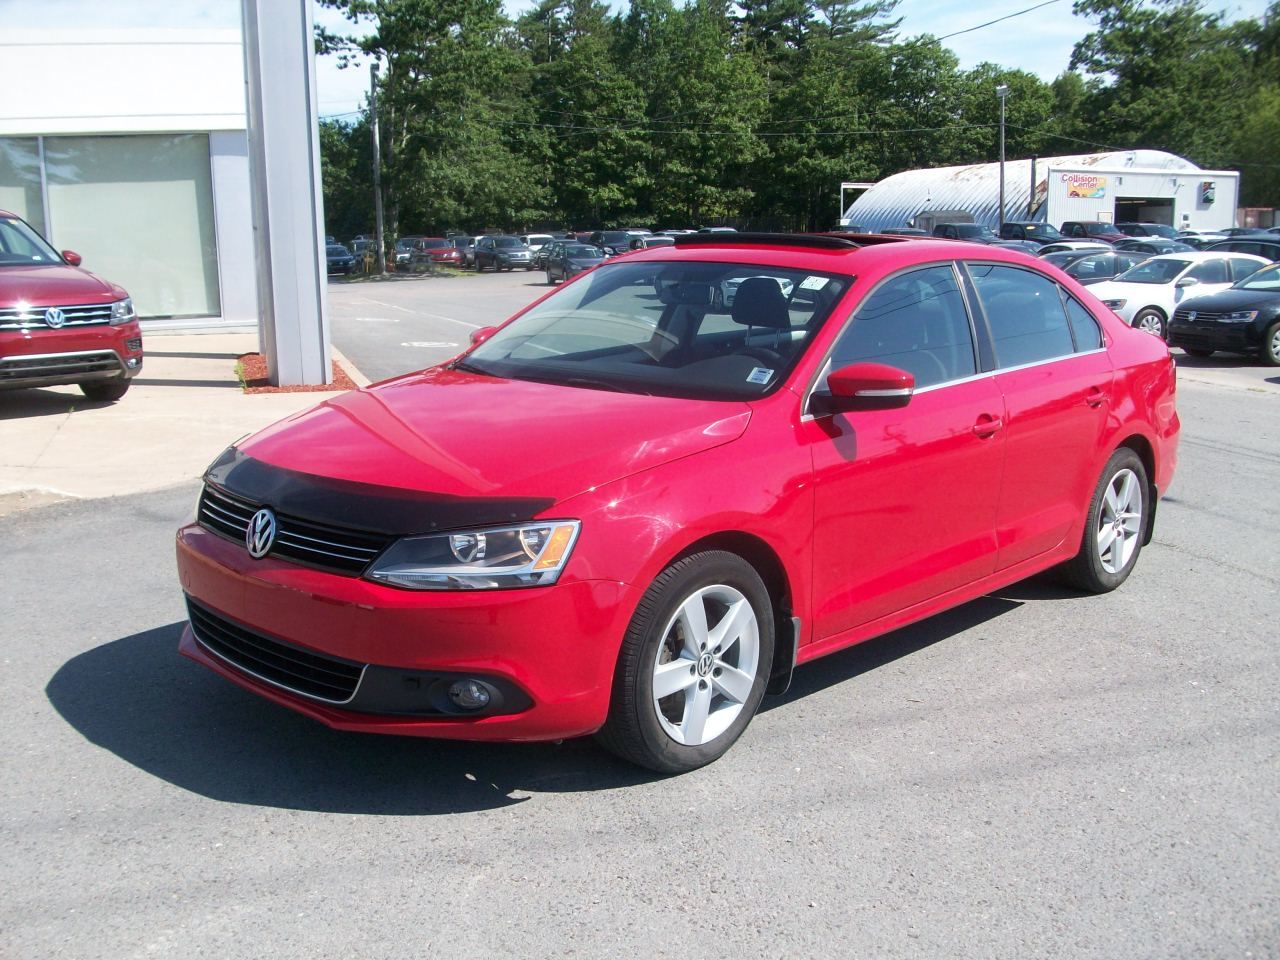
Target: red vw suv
x=633, y=510
x=59, y=323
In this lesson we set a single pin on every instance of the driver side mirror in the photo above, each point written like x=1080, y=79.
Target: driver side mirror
x=864, y=386
x=71, y=257
x=480, y=336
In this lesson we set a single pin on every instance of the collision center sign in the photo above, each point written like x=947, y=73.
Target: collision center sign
x=1085, y=186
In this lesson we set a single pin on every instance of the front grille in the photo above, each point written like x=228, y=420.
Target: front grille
x=1202, y=316
x=58, y=365
x=274, y=661
x=303, y=541
x=80, y=315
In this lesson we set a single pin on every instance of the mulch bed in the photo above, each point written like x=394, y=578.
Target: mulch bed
x=252, y=368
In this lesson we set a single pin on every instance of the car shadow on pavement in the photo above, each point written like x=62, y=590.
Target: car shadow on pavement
x=872, y=654
x=44, y=403
x=139, y=699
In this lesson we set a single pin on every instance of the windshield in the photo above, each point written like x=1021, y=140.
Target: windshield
x=1043, y=231
x=337, y=250
x=1268, y=278
x=973, y=230
x=582, y=251
x=718, y=331
x=1154, y=271
x=434, y=244
x=1099, y=229
x=404, y=244
x=21, y=245
x=506, y=242
x=1160, y=230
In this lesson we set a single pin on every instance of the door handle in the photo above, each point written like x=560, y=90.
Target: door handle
x=1095, y=397
x=987, y=426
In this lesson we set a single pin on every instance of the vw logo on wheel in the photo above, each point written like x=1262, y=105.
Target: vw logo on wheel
x=261, y=533
x=54, y=317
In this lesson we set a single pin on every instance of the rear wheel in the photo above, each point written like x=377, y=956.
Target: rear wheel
x=1271, y=346
x=1150, y=321
x=693, y=665
x=104, y=391
x=1116, y=522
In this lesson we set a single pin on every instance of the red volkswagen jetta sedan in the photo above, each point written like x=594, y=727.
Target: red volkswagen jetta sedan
x=633, y=511
x=60, y=324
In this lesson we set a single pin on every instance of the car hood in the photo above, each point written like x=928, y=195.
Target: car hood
x=1228, y=300
x=54, y=285
x=493, y=449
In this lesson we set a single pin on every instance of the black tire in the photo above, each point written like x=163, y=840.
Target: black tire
x=633, y=729
x=1198, y=352
x=1154, y=319
x=104, y=391
x=1271, y=345
x=550, y=280
x=1087, y=569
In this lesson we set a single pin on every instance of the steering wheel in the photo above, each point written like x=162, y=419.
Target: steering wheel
x=766, y=356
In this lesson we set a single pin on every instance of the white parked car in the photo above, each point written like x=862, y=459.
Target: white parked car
x=1145, y=296
x=536, y=241
x=1062, y=246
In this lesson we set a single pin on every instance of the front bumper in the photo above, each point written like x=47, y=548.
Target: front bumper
x=549, y=651
x=1244, y=337
x=40, y=357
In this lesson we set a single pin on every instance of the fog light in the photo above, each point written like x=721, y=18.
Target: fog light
x=469, y=694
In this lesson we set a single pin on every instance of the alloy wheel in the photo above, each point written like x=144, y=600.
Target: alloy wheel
x=706, y=665
x=1119, y=521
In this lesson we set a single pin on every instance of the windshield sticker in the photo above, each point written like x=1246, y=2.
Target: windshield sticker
x=813, y=283
x=760, y=375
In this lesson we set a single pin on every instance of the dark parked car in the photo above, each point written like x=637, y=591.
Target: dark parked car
x=1025, y=246
x=1037, y=233
x=60, y=324
x=646, y=242
x=339, y=258
x=542, y=253
x=1153, y=246
x=611, y=241
x=1243, y=232
x=973, y=232
x=1263, y=245
x=569, y=259
x=1089, y=267
x=1091, y=230
x=904, y=232
x=1148, y=230
x=1242, y=319
x=502, y=253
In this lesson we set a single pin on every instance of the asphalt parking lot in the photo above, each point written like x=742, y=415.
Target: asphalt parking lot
x=1035, y=774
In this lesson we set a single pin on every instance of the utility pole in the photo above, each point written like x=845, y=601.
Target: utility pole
x=377, y=169
x=1002, y=91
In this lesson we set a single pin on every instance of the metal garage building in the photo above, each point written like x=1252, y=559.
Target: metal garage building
x=1146, y=185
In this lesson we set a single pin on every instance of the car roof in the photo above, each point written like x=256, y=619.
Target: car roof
x=833, y=253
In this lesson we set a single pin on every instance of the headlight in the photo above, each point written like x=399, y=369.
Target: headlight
x=529, y=555
x=1240, y=316
x=122, y=311
x=1113, y=304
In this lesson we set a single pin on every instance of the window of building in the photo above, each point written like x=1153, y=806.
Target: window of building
x=20, y=180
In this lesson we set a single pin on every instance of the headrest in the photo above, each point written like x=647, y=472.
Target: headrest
x=759, y=302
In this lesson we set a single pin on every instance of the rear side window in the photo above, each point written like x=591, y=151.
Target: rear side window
x=1244, y=268
x=1083, y=326
x=917, y=322
x=1024, y=311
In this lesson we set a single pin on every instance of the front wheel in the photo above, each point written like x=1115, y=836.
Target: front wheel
x=550, y=279
x=1150, y=321
x=1115, y=526
x=105, y=391
x=1271, y=346
x=693, y=666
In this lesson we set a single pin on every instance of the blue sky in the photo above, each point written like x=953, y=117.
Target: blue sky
x=1039, y=42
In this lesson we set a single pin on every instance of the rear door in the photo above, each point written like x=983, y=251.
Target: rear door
x=1056, y=380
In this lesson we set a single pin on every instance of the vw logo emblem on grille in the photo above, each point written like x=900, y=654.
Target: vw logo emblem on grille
x=1191, y=315
x=54, y=317
x=261, y=533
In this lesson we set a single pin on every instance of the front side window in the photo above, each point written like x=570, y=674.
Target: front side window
x=1264, y=278
x=1024, y=312
x=916, y=322
x=1154, y=271
x=717, y=331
